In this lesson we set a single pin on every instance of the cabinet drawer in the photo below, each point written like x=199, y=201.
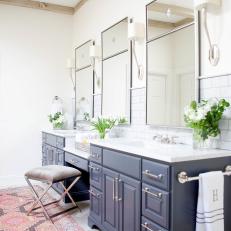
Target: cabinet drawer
x=123, y=163
x=76, y=161
x=51, y=140
x=60, y=142
x=155, y=205
x=96, y=172
x=96, y=154
x=155, y=174
x=147, y=225
x=96, y=204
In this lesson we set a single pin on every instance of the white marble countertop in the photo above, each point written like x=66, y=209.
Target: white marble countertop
x=164, y=152
x=61, y=133
x=77, y=152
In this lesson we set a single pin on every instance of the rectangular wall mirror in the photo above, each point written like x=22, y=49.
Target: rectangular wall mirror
x=170, y=61
x=116, y=71
x=84, y=77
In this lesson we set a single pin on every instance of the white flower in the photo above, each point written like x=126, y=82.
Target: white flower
x=212, y=102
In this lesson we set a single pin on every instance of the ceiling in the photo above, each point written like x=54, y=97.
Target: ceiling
x=70, y=3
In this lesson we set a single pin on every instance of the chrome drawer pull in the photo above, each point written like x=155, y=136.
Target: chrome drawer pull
x=145, y=225
x=74, y=161
x=95, y=156
x=113, y=189
x=93, y=194
x=93, y=168
x=157, y=177
x=157, y=195
x=118, y=199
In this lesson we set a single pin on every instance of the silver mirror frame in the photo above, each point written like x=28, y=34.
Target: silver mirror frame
x=197, y=61
x=129, y=50
x=91, y=42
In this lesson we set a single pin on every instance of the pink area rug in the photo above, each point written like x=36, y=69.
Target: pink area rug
x=14, y=203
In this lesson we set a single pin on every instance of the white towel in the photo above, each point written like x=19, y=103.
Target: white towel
x=210, y=205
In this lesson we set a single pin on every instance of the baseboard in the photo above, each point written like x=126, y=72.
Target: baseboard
x=9, y=181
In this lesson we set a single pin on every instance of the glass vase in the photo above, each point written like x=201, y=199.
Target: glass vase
x=58, y=126
x=200, y=143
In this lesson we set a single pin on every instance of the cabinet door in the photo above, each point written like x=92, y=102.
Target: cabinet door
x=59, y=157
x=110, y=204
x=96, y=204
x=50, y=154
x=129, y=203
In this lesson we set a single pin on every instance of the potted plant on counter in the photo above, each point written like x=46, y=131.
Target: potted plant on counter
x=104, y=125
x=57, y=120
x=204, y=118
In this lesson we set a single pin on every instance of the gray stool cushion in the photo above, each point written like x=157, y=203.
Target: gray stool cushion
x=52, y=173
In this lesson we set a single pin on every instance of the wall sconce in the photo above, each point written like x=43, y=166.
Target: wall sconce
x=136, y=33
x=95, y=53
x=70, y=66
x=204, y=6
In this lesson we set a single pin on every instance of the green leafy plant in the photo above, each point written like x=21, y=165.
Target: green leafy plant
x=102, y=125
x=57, y=120
x=122, y=120
x=204, y=117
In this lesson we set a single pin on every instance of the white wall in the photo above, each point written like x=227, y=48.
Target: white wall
x=219, y=28
x=34, y=46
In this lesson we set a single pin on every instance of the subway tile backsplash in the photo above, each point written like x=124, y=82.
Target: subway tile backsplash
x=219, y=87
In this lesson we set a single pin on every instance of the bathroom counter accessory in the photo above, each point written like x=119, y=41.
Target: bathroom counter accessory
x=184, y=178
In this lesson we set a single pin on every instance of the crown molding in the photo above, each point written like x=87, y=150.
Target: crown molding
x=40, y=6
x=79, y=5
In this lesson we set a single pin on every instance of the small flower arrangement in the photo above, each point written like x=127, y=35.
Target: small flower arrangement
x=57, y=120
x=204, y=118
x=102, y=125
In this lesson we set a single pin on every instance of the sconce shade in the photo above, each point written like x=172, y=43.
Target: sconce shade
x=199, y=4
x=69, y=63
x=94, y=51
x=136, y=31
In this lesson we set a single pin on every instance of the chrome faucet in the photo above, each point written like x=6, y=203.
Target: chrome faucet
x=165, y=139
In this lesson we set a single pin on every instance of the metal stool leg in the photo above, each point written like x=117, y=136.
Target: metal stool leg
x=38, y=198
x=66, y=192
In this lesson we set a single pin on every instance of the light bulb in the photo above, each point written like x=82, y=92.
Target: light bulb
x=168, y=13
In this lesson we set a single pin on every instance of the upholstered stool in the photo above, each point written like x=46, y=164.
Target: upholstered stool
x=51, y=174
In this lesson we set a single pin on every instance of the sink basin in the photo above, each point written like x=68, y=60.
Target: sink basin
x=151, y=145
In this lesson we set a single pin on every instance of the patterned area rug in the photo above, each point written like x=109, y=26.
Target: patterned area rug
x=14, y=203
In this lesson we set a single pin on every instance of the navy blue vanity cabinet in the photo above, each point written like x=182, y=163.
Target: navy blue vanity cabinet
x=120, y=188
x=143, y=194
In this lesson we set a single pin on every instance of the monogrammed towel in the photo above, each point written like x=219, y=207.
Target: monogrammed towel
x=210, y=205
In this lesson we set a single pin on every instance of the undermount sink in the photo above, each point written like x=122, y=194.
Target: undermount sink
x=143, y=144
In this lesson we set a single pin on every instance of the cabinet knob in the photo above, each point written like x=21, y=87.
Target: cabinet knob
x=93, y=168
